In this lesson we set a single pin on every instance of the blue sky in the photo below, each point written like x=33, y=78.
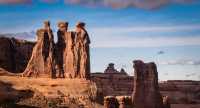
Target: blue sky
x=121, y=34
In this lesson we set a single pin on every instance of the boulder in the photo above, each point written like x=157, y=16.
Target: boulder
x=166, y=102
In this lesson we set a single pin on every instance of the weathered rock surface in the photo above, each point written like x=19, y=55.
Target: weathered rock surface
x=15, y=54
x=82, y=54
x=23, y=92
x=166, y=102
x=181, y=92
x=42, y=61
x=146, y=92
x=60, y=48
x=113, y=84
x=117, y=102
x=70, y=56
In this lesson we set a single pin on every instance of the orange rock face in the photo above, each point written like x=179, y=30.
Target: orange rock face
x=69, y=53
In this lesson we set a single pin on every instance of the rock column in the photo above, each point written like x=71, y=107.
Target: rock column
x=82, y=53
x=146, y=91
x=60, y=55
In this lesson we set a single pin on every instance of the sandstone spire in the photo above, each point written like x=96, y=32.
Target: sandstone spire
x=41, y=63
x=82, y=42
x=60, y=48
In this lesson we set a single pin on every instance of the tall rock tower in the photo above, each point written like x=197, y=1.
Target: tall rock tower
x=146, y=90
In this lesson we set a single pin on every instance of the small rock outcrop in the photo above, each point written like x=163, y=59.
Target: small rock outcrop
x=41, y=62
x=117, y=102
x=110, y=102
x=111, y=68
x=166, y=102
x=146, y=92
x=122, y=71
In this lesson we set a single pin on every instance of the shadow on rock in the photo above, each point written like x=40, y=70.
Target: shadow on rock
x=9, y=97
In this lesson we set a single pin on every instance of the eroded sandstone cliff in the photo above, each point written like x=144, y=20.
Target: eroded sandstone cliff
x=14, y=54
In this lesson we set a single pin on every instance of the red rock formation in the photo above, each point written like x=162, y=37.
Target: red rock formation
x=42, y=61
x=117, y=102
x=69, y=53
x=15, y=54
x=7, y=60
x=146, y=91
x=82, y=55
x=113, y=84
x=166, y=102
x=110, y=102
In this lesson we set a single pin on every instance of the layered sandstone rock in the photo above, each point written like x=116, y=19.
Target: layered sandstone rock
x=113, y=84
x=146, y=91
x=42, y=59
x=181, y=91
x=15, y=54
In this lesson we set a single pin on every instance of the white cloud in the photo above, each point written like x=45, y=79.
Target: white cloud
x=180, y=62
x=117, y=36
x=172, y=28
x=146, y=42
